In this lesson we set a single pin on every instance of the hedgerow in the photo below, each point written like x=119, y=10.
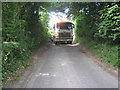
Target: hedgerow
x=22, y=32
x=97, y=26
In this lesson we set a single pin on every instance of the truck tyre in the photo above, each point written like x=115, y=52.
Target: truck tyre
x=69, y=42
x=56, y=42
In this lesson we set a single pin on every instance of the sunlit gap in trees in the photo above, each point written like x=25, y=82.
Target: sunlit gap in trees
x=56, y=17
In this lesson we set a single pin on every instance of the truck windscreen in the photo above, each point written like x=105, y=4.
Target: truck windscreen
x=65, y=26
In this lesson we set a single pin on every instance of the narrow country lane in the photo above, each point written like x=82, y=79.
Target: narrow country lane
x=30, y=59
x=65, y=66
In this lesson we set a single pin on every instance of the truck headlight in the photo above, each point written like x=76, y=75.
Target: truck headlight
x=56, y=35
x=72, y=35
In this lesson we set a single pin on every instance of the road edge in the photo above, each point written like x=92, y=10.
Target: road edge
x=110, y=69
x=27, y=72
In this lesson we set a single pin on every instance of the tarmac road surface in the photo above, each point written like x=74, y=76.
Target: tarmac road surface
x=65, y=66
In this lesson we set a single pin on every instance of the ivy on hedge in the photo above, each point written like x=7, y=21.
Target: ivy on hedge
x=23, y=31
x=109, y=27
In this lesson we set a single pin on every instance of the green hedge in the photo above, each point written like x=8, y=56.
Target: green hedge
x=23, y=31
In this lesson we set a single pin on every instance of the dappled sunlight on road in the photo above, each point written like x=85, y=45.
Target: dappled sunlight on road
x=74, y=44
x=45, y=75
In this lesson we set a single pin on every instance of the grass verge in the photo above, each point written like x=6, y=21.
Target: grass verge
x=19, y=68
x=14, y=76
x=103, y=50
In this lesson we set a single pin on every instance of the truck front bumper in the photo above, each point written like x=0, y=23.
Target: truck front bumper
x=63, y=39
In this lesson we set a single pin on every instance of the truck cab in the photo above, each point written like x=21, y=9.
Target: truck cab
x=62, y=32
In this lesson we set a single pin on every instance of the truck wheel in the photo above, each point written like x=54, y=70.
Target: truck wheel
x=56, y=42
x=69, y=42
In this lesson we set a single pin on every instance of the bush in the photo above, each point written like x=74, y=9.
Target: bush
x=22, y=33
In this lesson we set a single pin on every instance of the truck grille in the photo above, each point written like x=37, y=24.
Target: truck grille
x=64, y=34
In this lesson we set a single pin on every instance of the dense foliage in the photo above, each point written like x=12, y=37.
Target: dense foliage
x=99, y=24
x=97, y=19
x=109, y=22
x=23, y=31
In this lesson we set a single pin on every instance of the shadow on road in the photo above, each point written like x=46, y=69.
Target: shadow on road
x=74, y=44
